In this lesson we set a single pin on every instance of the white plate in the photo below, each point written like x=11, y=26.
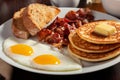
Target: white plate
x=5, y=32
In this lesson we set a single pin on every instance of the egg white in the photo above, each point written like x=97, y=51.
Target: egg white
x=66, y=63
x=24, y=60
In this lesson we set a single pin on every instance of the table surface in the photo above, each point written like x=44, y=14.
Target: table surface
x=8, y=7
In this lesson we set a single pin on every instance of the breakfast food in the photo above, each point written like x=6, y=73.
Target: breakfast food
x=31, y=19
x=36, y=16
x=90, y=36
x=18, y=28
x=93, y=57
x=37, y=55
x=57, y=33
x=105, y=29
x=90, y=46
x=84, y=15
x=101, y=43
x=40, y=55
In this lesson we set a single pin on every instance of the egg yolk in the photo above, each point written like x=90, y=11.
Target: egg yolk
x=22, y=49
x=46, y=59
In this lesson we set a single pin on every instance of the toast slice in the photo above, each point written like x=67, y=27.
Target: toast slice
x=36, y=16
x=18, y=28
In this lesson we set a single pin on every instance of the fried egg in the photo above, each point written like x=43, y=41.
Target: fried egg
x=38, y=55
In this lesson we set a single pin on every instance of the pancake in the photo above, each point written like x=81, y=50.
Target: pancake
x=86, y=46
x=92, y=56
x=86, y=32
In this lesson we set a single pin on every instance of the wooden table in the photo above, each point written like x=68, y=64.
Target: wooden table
x=8, y=7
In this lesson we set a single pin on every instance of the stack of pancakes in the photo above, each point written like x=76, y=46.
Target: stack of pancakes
x=89, y=46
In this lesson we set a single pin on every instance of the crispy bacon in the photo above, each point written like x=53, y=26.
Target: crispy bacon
x=43, y=34
x=72, y=15
x=57, y=33
x=53, y=38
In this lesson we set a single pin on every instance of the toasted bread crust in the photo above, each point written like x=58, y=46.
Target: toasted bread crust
x=36, y=16
x=18, y=27
x=20, y=33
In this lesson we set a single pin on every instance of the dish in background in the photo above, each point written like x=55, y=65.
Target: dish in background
x=5, y=32
x=65, y=3
x=112, y=7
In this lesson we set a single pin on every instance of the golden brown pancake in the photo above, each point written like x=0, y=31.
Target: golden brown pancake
x=92, y=56
x=86, y=46
x=86, y=32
